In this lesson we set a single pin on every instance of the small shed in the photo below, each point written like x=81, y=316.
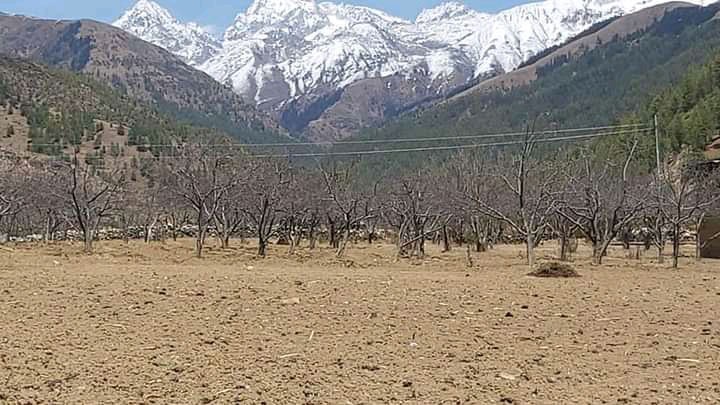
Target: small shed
x=709, y=238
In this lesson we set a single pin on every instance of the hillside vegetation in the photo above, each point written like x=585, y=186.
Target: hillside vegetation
x=690, y=110
x=137, y=69
x=55, y=112
x=599, y=87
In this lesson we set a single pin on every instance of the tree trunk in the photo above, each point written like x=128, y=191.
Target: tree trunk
x=401, y=239
x=563, y=247
x=676, y=246
x=698, y=244
x=294, y=236
x=460, y=237
x=48, y=229
x=333, y=234
x=173, y=218
x=200, y=240
x=446, y=240
x=626, y=239
x=530, y=242
x=344, y=242
x=262, y=247
x=661, y=253
x=311, y=236
x=468, y=257
x=200, y=244
x=88, y=242
x=597, y=253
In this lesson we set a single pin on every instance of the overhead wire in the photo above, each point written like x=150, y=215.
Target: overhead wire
x=437, y=148
x=390, y=141
x=593, y=132
x=431, y=148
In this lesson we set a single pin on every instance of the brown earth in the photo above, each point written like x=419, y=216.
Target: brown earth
x=144, y=324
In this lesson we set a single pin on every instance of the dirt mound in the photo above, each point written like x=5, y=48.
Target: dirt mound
x=554, y=270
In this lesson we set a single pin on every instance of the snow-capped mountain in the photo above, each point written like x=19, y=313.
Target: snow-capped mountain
x=156, y=25
x=300, y=55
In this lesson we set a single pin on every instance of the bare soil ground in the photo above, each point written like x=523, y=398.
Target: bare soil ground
x=141, y=324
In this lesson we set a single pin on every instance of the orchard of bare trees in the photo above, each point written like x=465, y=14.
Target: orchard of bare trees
x=476, y=199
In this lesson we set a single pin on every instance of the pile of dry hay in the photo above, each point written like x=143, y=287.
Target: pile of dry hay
x=554, y=270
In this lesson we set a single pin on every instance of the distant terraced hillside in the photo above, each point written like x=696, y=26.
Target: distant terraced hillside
x=51, y=112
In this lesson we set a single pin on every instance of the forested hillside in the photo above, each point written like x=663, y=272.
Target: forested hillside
x=48, y=111
x=137, y=69
x=602, y=86
x=689, y=112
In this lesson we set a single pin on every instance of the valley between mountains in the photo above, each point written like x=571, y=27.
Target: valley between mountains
x=326, y=71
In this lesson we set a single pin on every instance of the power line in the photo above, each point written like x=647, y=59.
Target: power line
x=439, y=148
x=388, y=141
x=634, y=128
x=431, y=148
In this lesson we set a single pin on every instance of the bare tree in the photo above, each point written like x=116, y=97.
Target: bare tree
x=655, y=224
x=604, y=197
x=49, y=208
x=686, y=189
x=90, y=195
x=301, y=209
x=178, y=215
x=264, y=193
x=412, y=211
x=229, y=217
x=517, y=189
x=147, y=206
x=345, y=194
x=486, y=231
x=564, y=230
x=202, y=176
x=12, y=190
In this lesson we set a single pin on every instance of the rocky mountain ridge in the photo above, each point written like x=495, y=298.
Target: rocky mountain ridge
x=305, y=61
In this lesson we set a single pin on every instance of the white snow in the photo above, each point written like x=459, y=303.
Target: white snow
x=154, y=24
x=279, y=50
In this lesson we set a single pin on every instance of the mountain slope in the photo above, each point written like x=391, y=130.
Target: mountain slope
x=594, y=88
x=298, y=58
x=142, y=70
x=604, y=32
x=156, y=25
x=689, y=110
x=52, y=112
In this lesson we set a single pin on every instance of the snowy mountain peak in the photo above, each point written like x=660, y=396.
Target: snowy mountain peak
x=293, y=16
x=279, y=7
x=447, y=10
x=146, y=13
x=155, y=24
x=296, y=57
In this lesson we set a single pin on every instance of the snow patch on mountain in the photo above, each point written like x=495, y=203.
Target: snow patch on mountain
x=280, y=51
x=445, y=11
x=152, y=23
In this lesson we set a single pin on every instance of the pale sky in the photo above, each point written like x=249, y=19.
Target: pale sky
x=211, y=13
